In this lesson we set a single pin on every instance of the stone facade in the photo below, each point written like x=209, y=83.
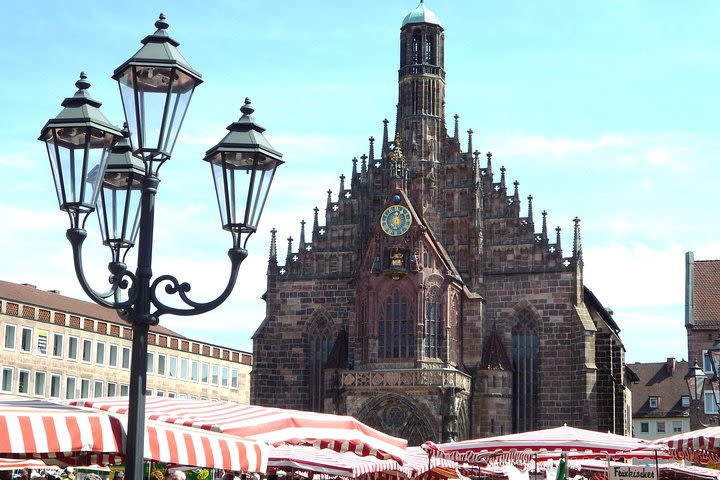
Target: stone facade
x=426, y=303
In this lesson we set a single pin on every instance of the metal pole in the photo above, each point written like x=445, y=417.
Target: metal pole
x=139, y=315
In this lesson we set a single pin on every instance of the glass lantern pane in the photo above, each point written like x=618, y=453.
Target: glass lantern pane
x=217, y=172
x=127, y=93
x=55, y=168
x=181, y=92
x=263, y=179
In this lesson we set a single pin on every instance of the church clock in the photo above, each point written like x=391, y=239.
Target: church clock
x=395, y=220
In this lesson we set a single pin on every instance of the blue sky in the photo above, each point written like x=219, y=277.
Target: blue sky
x=602, y=110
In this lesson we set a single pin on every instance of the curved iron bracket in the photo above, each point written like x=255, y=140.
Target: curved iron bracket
x=118, y=272
x=173, y=286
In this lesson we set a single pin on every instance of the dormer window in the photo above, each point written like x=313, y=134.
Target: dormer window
x=685, y=399
x=653, y=402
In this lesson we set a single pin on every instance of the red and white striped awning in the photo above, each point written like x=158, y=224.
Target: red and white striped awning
x=275, y=426
x=36, y=428
x=328, y=462
x=20, y=463
x=560, y=439
x=699, y=446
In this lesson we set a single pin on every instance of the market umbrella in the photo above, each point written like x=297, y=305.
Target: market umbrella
x=274, y=426
x=329, y=462
x=700, y=446
x=559, y=440
x=72, y=435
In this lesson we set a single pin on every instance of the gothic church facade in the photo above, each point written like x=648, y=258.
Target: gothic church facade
x=424, y=302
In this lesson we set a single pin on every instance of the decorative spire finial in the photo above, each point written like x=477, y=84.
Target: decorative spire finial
x=558, y=248
x=316, y=226
x=301, y=245
x=289, y=252
x=371, y=153
x=457, y=127
x=386, y=141
x=544, y=225
x=489, y=164
x=470, y=132
x=273, y=245
x=577, y=246
x=517, y=184
x=502, y=177
x=530, y=212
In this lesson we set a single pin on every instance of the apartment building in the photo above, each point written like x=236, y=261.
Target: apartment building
x=53, y=346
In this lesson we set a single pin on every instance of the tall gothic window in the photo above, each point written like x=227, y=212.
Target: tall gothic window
x=363, y=331
x=433, y=324
x=429, y=50
x=416, y=47
x=525, y=363
x=320, y=342
x=396, y=335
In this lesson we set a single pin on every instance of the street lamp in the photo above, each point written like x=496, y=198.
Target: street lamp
x=98, y=167
x=697, y=381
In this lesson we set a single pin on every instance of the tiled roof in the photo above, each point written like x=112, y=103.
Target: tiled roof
x=707, y=292
x=658, y=380
x=30, y=295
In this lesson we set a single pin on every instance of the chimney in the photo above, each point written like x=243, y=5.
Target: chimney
x=670, y=365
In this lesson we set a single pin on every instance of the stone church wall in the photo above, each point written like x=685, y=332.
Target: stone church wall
x=280, y=375
x=563, y=395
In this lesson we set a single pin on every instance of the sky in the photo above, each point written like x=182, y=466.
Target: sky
x=602, y=110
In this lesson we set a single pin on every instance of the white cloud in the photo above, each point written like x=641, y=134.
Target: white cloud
x=536, y=144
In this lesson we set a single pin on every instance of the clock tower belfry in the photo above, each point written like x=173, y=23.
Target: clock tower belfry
x=421, y=97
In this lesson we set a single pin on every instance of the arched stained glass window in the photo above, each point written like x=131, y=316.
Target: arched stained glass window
x=396, y=334
x=320, y=341
x=433, y=324
x=525, y=363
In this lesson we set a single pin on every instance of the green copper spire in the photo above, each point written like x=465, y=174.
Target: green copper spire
x=421, y=14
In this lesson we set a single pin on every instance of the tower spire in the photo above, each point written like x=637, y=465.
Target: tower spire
x=289, y=251
x=273, y=246
x=544, y=225
x=386, y=141
x=316, y=226
x=301, y=244
x=470, y=149
x=502, y=178
x=530, y=212
x=457, y=124
x=371, y=153
x=577, y=246
x=558, y=247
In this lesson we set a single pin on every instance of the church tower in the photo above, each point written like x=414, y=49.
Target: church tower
x=421, y=101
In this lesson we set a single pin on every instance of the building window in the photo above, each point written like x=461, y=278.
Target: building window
x=653, y=402
x=433, y=324
x=7, y=380
x=55, y=386
x=685, y=399
x=205, y=373
x=194, y=371
x=42, y=342
x=72, y=348
x=150, y=362
x=171, y=394
x=69, y=388
x=125, y=358
x=97, y=389
x=234, y=374
x=124, y=390
x=707, y=362
x=396, y=334
x=148, y=391
x=9, y=337
x=111, y=389
x=100, y=353
x=225, y=376
x=57, y=348
x=645, y=427
x=26, y=340
x=711, y=407
x=416, y=48
x=677, y=426
x=39, y=384
x=215, y=374
x=161, y=364
x=113, y=358
x=84, y=388
x=87, y=351
x=183, y=369
x=525, y=362
x=24, y=381
x=660, y=426
x=172, y=368
x=160, y=393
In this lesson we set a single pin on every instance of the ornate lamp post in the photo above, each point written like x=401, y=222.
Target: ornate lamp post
x=96, y=166
x=697, y=381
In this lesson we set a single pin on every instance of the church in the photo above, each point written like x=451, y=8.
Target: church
x=425, y=302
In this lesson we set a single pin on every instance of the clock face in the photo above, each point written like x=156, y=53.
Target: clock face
x=395, y=220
